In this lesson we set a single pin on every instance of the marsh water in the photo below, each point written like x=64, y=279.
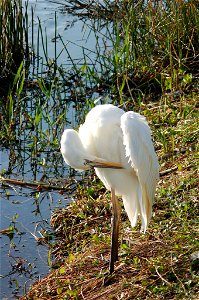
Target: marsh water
x=26, y=212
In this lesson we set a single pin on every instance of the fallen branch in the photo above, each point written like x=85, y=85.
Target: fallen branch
x=40, y=186
x=165, y=172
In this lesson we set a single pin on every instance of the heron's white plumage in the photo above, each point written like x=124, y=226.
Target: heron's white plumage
x=142, y=157
x=112, y=135
x=72, y=150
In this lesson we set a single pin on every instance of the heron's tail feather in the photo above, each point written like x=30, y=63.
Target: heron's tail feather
x=133, y=205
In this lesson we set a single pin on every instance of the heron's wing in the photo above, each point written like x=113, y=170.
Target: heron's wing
x=142, y=157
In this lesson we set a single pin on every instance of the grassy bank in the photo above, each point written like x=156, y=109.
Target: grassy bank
x=156, y=265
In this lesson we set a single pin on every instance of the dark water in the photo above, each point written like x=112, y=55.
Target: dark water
x=28, y=212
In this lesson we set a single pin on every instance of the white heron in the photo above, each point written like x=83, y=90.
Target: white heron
x=118, y=145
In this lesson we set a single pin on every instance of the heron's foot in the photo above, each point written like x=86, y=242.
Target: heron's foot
x=108, y=278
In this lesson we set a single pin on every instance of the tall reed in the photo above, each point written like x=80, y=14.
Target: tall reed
x=155, y=44
x=13, y=40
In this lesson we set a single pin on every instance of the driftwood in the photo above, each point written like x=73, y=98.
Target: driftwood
x=40, y=186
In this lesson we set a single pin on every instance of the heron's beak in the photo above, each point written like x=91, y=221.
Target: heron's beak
x=103, y=164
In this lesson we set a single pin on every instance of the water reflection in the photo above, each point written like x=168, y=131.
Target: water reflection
x=64, y=31
x=25, y=213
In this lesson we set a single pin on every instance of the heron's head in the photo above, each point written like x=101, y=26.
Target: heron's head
x=73, y=151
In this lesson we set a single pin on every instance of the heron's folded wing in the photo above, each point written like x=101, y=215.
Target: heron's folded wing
x=142, y=157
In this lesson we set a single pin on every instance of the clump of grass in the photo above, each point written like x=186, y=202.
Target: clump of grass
x=14, y=46
x=156, y=48
x=153, y=46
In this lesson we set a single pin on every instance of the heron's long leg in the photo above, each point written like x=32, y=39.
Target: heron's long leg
x=115, y=230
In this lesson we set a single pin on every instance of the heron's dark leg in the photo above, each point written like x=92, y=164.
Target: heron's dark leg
x=115, y=230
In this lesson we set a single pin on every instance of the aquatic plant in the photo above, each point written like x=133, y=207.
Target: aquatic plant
x=14, y=46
